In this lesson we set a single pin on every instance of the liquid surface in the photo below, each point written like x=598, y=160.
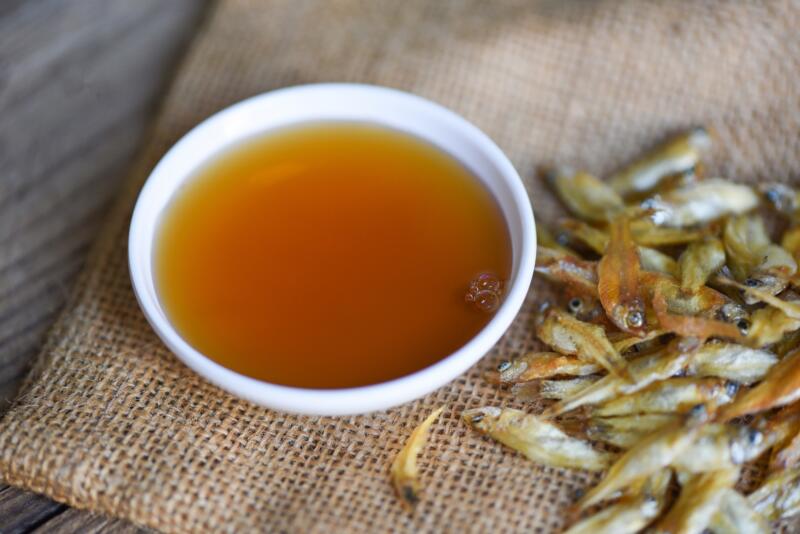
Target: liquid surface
x=329, y=255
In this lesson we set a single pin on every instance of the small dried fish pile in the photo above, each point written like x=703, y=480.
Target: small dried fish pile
x=673, y=348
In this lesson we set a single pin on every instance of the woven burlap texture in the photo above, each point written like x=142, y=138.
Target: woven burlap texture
x=111, y=421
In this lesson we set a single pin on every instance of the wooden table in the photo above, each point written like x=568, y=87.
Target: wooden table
x=79, y=81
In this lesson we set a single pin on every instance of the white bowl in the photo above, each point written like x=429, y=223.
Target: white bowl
x=351, y=102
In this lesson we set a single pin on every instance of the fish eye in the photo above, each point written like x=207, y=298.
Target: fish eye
x=752, y=282
x=731, y=387
x=477, y=418
x=754, y=436
x=409, y=495
x=773, y=195
x=575, y=304
x=697, y=410
x=728, y=312
x=504, y=365
x=635, y=319
x=743, y=325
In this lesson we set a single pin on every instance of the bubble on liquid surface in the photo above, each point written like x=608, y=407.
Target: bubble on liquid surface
x=487, y=301
x=484, y=292
x=486, y=282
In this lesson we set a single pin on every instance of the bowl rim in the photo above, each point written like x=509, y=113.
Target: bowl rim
x=343, y=401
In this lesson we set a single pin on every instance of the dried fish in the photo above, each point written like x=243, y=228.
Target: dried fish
x=735, y=515
x=534, y=365
x=781, y=423
x=618, y=280
x=578, y=274
x=539, y=440
x=744, y=237
x=596, y=239
x=786, y=345
x=673, y=403
x=647, y=233
x=722, y=446
x=783, y=198
x=700, y=203
x=730, y=361
x=790, y=308
x=545, y=238
x=778, y=496
x=626, y=516
x=627, y=430
x=644, y=370
x=653, y=260
x=584, y=307
x=699, y=261
x=586, y=196
x=691, y=326
x=559, y=389
x=767, y=326
x=733, y=312
x=677, y=155
x=405, y=472
x=674, y=395
x=704, y=302
x=785, y=429
x=623, y=344
x=567, y=335
x=781, y=386
x=633, y=512
x=700, y=498
x=776, y=268
x=754, y=259
x=607, y=387
x=791, y=241
x=591, y=236
x=527, y=391
x=769, y=332
x=653, y=453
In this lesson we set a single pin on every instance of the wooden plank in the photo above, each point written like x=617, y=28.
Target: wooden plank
x=70, y=122
x=78, y=82
x=72, y=176
x=22, y=511
x=9, y=6
x=78, y=522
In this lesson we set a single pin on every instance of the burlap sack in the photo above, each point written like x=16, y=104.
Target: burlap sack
x=111, y=421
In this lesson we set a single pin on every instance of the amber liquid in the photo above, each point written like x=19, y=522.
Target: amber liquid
x=329, y=255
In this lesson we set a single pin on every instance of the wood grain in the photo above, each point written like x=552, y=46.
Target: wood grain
x=72, y=521
x=79, y=80
x=22, y=512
